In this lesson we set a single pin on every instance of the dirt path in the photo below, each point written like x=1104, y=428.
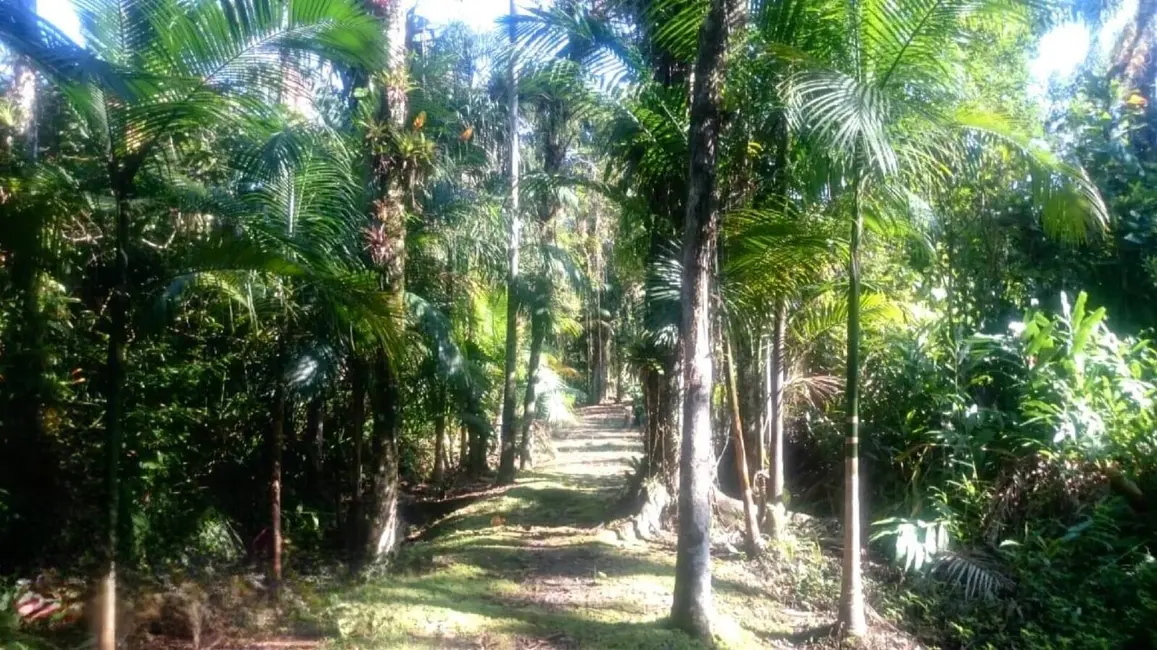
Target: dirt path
x=598, y=448
x=532, y=569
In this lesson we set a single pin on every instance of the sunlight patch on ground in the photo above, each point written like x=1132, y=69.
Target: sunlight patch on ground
x=530, y=568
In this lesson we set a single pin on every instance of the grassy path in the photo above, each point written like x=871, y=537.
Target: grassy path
x=530, y=568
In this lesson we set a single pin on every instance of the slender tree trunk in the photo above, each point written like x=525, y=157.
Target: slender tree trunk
x=554, y=150
x=114, y=410
x=664, y=421
x=276, y=445
x=448, y=447
x=654, y=442
x=851, y=615
x=743, y=348
x=670, y=422
x=440, y=437
x=617, y=375
x=314, y=440
x=776, y=519
x=599, y=372
x=538, y=326
x=463, y=447
x=386, y=398
x=760, y=413
x=692, y=608
x=664, y=203
x=751, y=540
x=359, y=378
x=601, y=356
x=765, y=416
x=509, y=386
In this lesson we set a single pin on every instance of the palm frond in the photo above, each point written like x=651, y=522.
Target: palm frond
x=976, y=575
x=1071, y=205
x=848, y=115
x=772, y=252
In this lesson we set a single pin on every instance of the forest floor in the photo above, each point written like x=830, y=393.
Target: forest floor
x=533, y=567
x=539, y=565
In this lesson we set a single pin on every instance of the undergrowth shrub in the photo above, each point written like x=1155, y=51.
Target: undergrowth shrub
x=1008, y=473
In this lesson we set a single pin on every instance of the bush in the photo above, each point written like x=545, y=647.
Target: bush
x=1014, y=488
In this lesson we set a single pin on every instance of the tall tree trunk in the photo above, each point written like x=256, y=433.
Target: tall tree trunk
x=114, y=407
x=599, y=366
x=670, y=422
x=851, y=614
x=665, y=383
x=776, y=519
x=652, y=442
x=509, y=370
x=554, y=150
x=359, y=380
x=538, y=326
x=692, y=607
x=601, y=355
x=751, y=539
x=617, y=374
x=384, y=524
x=752, y=395
x=664, y=203
x=314, y=440
x=276, y=445
x=389, y=219
x=463, y=447
x=743, y=348
x=440, y=436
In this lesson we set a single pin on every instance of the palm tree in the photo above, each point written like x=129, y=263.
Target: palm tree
x=457, y=249
x=772, y=255
x=150, y=70
x=648, y=154
x=289, y=252
x=394, y=164
x=692, y=607
x=509, y=370
x=880, y=101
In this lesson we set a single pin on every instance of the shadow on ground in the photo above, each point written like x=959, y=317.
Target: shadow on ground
x=529, y=567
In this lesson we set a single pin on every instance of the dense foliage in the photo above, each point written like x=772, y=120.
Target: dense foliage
x=260, y=259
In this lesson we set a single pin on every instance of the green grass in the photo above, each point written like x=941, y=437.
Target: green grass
x=524, y=567
x=531, y=567
x=506, y=569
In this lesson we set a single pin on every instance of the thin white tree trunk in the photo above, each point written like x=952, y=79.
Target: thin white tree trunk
x=851, y=615
x=775, y=376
